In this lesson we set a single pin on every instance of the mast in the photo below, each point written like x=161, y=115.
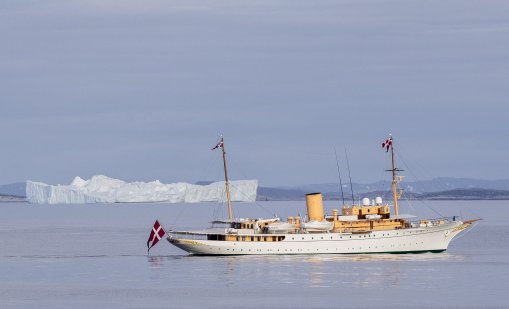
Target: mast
x=339, y=175
x=349, y=176
x=394, y=169
x=226, y=182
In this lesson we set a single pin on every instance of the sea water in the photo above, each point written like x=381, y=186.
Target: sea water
x=94, y=256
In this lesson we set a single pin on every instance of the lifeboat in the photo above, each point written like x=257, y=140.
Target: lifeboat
x=317, y=226
x=280, y=228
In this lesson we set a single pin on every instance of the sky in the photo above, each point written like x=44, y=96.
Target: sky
x=141, y=90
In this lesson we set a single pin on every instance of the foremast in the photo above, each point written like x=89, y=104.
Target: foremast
x=228, y=198
x=389, y=143
x=227, y=185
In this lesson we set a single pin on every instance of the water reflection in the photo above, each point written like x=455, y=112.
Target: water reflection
x=313, y=271
x=159, y=261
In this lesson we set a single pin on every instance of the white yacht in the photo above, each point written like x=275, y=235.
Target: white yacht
x=366, y=228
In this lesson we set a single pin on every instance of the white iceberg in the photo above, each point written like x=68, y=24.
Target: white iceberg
x=103, y=189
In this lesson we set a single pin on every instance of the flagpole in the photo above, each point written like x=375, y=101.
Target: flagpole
x=226, y=183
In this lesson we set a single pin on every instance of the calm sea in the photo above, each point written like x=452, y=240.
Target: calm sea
x=94, y=256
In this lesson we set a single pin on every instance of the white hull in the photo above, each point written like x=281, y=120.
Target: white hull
x=435, y=239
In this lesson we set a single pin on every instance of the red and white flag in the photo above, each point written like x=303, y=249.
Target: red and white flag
x=155, y=235
x=220, y=144
x=387, y=143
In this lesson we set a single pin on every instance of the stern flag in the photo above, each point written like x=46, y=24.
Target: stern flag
x=387, y=143
x=220, y=144
x=155, y=235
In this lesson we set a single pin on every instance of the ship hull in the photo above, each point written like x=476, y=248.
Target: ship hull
x=410, y=240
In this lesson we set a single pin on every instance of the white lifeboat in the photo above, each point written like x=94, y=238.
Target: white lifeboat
x=280, y=227
x=318, y=226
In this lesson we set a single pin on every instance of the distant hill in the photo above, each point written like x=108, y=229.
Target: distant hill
x=277, y=194
x=274, y=194
x=438, y=188
x=422, y=186
x=17, y=189
x=467, y=194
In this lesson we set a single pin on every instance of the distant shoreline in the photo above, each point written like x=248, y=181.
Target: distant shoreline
x=11, y=199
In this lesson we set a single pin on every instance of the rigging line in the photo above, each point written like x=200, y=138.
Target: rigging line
x=222, y=205
x=215, y=212
x=272, y=210
x=413, y=174
x=179, y=214
x=180, y=210
x=255, y=202
x=381, y=181
x=383, y=185
x=209, y=170
x=409, y=202
x=339, y=175
x=468, y=230
x=232, y=162
x=435, y=185
x=219, y=209
x=349, y=175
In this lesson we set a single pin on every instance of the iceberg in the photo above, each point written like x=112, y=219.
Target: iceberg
x=103, y=189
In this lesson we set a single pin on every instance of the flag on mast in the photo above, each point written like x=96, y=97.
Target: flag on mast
x=220, y=144
x=155, y=235
x=387, y=143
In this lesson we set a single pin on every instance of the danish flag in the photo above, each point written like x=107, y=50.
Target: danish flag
x=387, y=143
x=220, y=144
x=155, y=235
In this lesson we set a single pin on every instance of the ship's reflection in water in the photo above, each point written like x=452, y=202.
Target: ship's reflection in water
x=349, y=271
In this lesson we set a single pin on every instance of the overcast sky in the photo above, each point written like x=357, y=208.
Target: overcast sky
x=140, y=90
